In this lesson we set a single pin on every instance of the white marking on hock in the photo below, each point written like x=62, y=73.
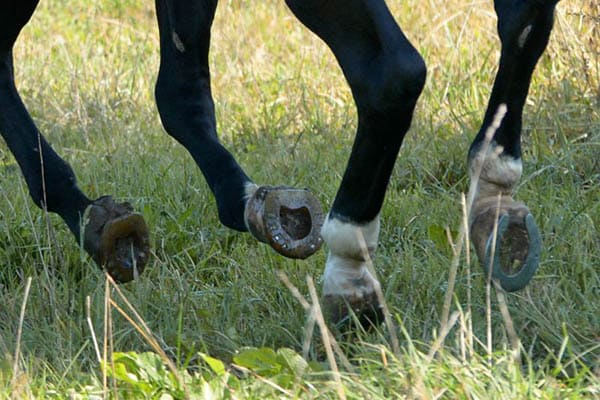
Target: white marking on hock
x=346, y=273
x=523, y=36
x=499, y=173
x=178, y=43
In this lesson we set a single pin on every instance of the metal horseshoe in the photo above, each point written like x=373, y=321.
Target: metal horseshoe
x=520, y=279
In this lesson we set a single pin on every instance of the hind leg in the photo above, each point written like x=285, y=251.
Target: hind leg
x=495, y=162
x=50, y=180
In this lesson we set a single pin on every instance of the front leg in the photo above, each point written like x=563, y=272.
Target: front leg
x=386, y=75
x=116, y=239
x=495, y=162
x=287, y=219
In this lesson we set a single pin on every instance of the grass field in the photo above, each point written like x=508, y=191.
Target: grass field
x=86, y=70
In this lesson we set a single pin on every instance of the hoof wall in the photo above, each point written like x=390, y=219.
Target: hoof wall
x=117, y=239
x=347, y=314
x=288, y=219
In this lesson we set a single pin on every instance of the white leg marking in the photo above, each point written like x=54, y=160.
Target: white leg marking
x=499, y=173
x=346, y=273
x=342, y=237
x=523, y=36
x=250, y=189
x=348, y=278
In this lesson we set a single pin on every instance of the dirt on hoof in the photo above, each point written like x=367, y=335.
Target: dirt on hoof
x=117, y=238
x=344, y=314
x=288, y=219
x=515, y=243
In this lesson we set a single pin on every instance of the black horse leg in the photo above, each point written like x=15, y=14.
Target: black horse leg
x=524, y=28
x=287, y=219
x=113, y=230
x=50, y=180
x=386, y=75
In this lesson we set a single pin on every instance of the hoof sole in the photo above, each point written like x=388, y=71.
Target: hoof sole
x=288, y=219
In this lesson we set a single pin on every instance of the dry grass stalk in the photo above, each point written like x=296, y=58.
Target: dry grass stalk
x=105, y=337
x=263, y=380
x=469, y=319
x=20, y=332
x=380, y=298
x=515, y=342
x=91, y=326
x=463, y=235
x=488, y=284
x=309, y=329
x=439, y=341
x=325, y=336
x=39, y=247
x=312, y=318
x=464, y=238
x=145, y=331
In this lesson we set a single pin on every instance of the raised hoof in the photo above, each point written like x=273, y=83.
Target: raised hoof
x=516, y=254
x=288, y=219
x=344, y=314
x=117, y=239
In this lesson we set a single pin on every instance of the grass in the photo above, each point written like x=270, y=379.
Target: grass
x=86, y=73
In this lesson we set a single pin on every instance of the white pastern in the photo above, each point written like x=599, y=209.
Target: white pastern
x=249, y=190
x=499, y=173
x=346, y=273
x=343, y=237
x=347, y=277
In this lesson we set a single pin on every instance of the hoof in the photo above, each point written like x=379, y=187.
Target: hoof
x=288, y=219
x=117, y=239
x=516, y=254
x=350, y=294
x=345, y=313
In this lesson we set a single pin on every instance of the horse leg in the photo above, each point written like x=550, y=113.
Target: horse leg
x=288, y=219
x=495, y=164
x=386, y=75
x=109, y=235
